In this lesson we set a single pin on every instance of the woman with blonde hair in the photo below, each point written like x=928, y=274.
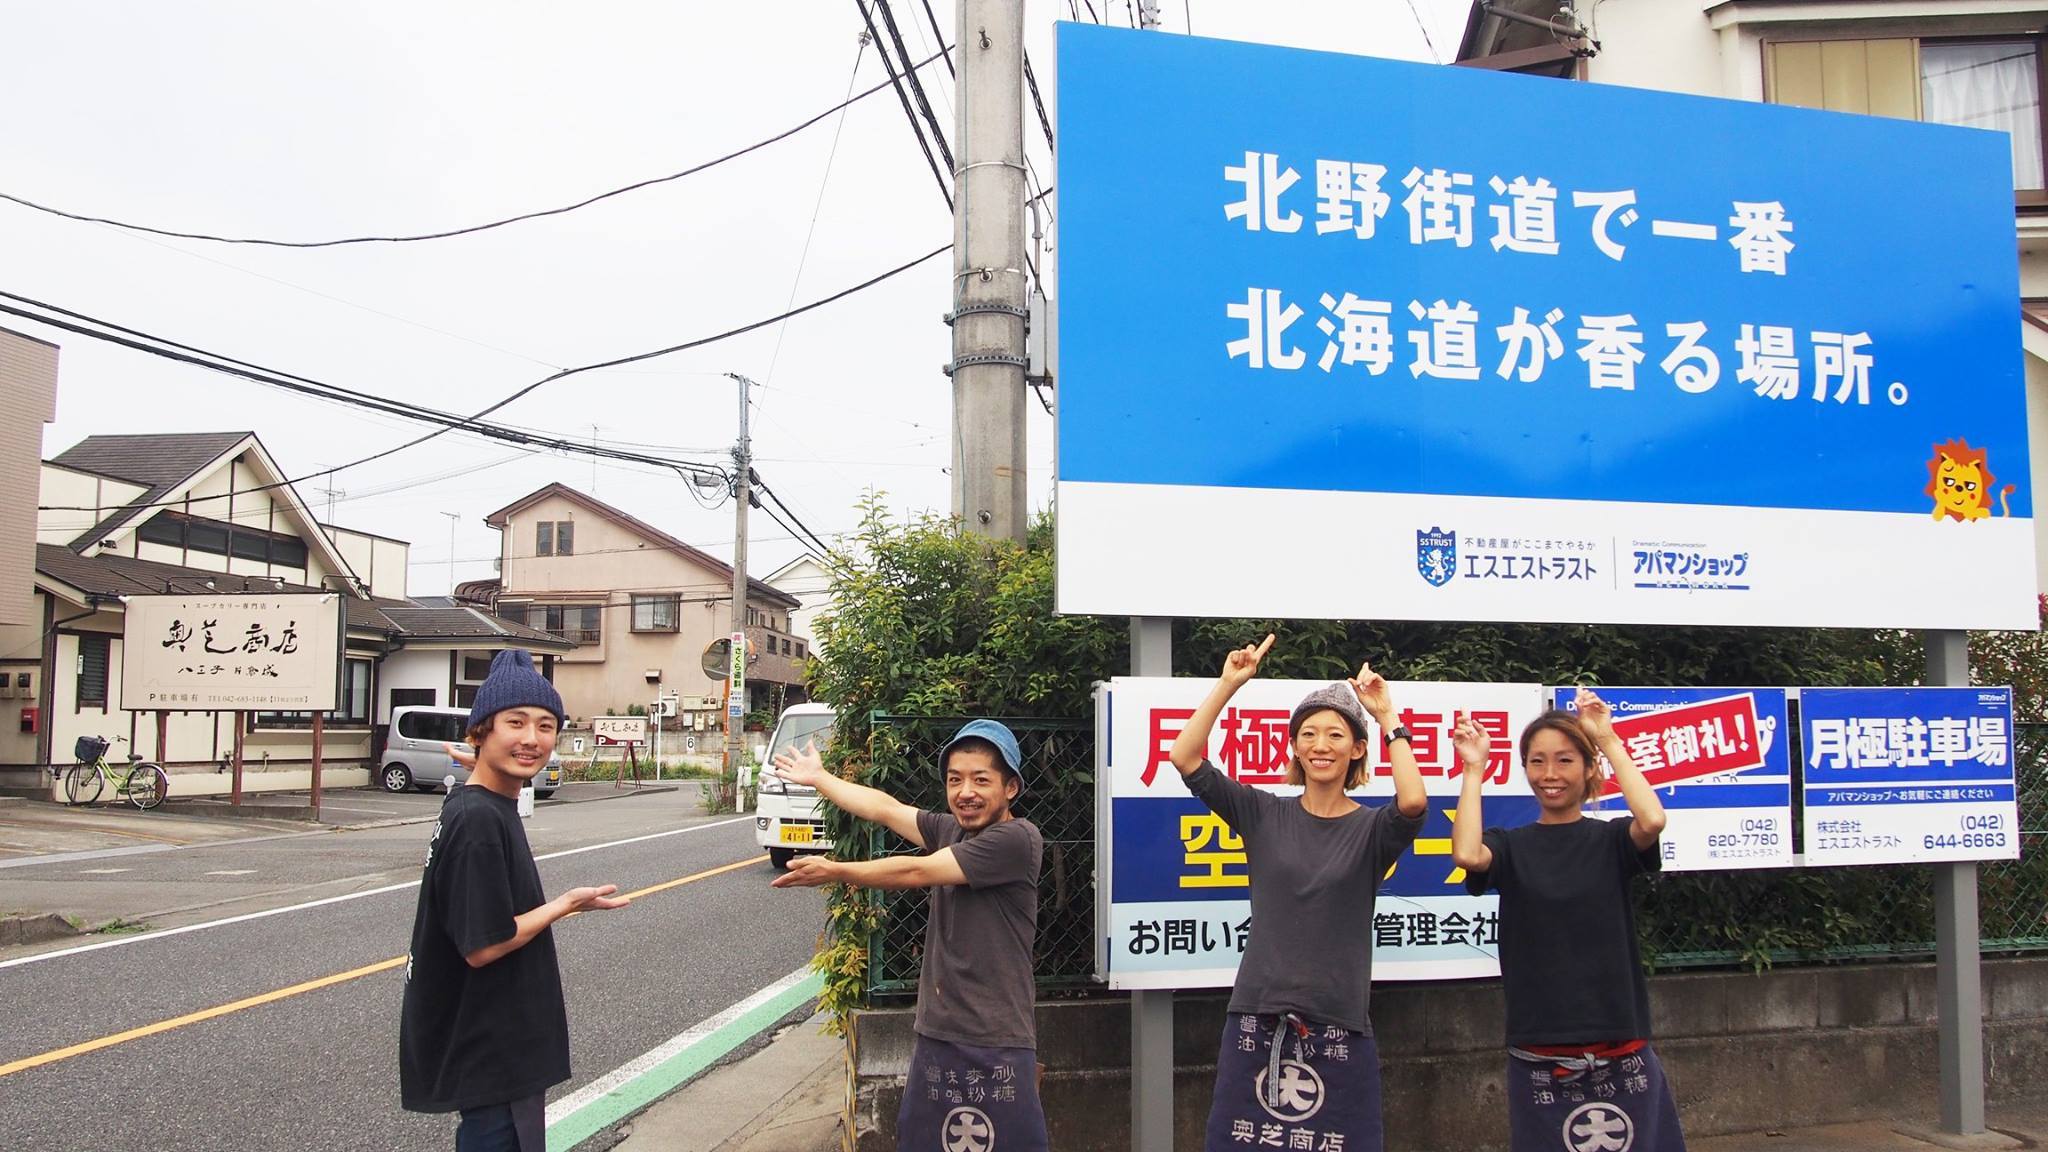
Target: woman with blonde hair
x=1298, y=1061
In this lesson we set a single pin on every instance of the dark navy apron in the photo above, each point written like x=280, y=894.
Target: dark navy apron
x=1607, y=1099
x=962, y=1098
x=1283, y=1082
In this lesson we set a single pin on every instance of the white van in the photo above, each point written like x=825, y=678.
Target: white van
x=788, y=817
x=416, y=753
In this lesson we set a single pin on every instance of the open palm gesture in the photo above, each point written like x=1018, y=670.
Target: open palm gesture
x=803, y=767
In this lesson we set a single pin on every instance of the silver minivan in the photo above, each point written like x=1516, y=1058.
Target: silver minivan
x=416, y=753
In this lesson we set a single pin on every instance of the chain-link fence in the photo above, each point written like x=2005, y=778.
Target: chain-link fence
x=1686, y=920
x=1059, y=797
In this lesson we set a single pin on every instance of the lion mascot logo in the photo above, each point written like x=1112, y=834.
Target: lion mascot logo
x=1960, y=481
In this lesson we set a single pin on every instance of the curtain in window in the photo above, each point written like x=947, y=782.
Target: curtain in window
x=1994, y=86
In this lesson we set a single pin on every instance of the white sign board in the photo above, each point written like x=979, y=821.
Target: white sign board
x=614, y=730
x=1173, y=905
x=248, y=652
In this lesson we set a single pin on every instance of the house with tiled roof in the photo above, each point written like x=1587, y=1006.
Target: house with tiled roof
x=640, y=606
x=212, y=513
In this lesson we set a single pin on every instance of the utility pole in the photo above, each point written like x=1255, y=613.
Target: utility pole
x=742, y=472
x=990, y=289
x=453, y=520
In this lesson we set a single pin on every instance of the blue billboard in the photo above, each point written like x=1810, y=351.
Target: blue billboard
x=1517, y=348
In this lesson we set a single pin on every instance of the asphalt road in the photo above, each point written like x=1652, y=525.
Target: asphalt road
x=318, y=1068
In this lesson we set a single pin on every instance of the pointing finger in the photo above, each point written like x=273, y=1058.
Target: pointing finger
x=1264, y=647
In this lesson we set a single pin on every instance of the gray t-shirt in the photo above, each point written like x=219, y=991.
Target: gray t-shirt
x=975, y=986
x=1313, y=882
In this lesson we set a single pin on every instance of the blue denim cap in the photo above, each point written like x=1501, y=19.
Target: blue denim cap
x=996, y=734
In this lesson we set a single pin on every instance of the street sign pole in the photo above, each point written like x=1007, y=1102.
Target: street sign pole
x=1958, y=978
x=1151, y=1012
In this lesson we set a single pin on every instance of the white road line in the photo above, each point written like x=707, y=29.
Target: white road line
x=123, y=941
x=233, y=872
x=102, y=871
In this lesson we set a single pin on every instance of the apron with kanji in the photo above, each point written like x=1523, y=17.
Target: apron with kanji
x=964, y=1098
x=1283, y=1082
x=1591, y=1098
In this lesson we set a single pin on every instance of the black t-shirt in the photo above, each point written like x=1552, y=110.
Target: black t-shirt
x=1568, y=957
x=469, y=1037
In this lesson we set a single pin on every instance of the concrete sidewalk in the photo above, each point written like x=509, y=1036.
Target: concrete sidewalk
x=791, y=1096
x=788, y=1097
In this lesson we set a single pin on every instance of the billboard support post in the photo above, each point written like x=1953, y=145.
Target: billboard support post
x=1152, y=1011
x=1958, y=979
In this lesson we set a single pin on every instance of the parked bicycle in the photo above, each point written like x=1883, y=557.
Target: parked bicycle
x=144, y=784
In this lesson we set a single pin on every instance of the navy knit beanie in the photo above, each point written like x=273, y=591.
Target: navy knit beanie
x=513, y=684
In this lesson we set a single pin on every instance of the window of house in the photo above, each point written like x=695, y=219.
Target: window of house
x=799, y=649
x=544, y=538
x=353, y=704
x=578, y=623
x=657, y=613
x=287, y=552
x=1992, y=84
x=411, y=698
x=206, y=536
x=164, y=528
x=1982, y=83
x=476, y=668
x=249, y=544
x=93, y=652
x=565, y=537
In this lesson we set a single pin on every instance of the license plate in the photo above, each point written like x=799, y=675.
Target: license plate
x=796, y=834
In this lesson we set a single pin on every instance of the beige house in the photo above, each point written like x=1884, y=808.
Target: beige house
x=811, y=582
x=639, y=606
x=205, y=514
x=1976, y=63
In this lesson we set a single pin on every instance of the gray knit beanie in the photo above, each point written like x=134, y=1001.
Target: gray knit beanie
x=1338, y=698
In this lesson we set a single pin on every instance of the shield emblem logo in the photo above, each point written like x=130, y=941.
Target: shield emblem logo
x=1436, y=555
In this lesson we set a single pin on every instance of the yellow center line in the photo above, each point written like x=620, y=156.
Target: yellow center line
x=161, y=1026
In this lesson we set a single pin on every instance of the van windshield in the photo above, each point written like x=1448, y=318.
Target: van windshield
x=793, y=731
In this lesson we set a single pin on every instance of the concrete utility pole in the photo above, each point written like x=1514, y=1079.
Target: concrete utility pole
x=742, y=471
x=989, y=279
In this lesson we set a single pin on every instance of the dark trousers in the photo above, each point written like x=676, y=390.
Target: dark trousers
x=499, y=1127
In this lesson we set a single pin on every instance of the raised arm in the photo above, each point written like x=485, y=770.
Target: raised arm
x=1597, y=722
x=1238, y=668
x=804, y=767
x=1409, y=795
x=1468, y=831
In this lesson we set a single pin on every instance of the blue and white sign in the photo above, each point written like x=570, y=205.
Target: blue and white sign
x=1494, y=347
x=1721, y=761
x=1896, y=775
x=1173, y=907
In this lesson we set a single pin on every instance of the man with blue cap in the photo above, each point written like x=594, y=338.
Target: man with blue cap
x=974, y=1068
x=484, y=1030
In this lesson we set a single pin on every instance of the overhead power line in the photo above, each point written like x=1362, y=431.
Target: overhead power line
x=473, y=228
x=903, y=98
x=474, y=423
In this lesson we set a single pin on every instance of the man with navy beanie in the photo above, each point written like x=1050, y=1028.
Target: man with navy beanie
x=484, y=1030
x=974, y=1069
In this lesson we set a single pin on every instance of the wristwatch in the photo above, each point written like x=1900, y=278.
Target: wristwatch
x=1397, y=732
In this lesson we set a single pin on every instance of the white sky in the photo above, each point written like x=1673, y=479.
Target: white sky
x=311, y=121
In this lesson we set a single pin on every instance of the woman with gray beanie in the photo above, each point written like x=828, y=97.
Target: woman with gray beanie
x=1298, y=1065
